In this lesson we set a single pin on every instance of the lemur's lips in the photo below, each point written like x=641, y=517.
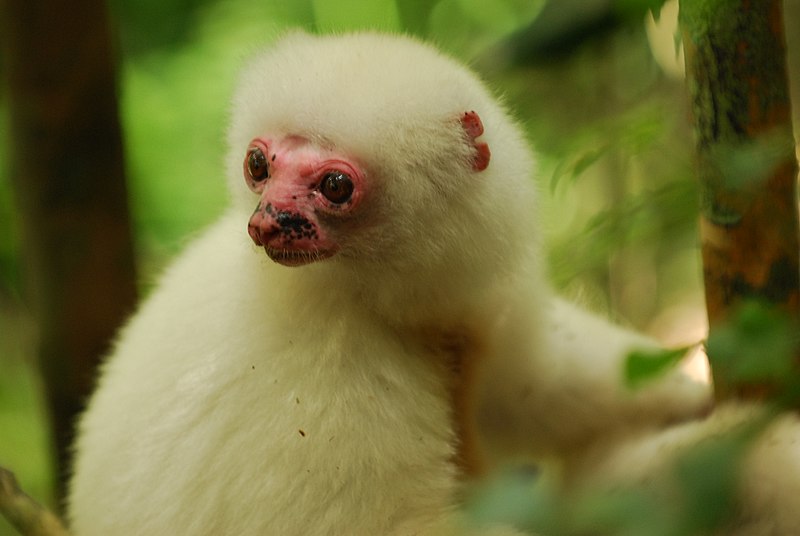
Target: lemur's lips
x=296, y=257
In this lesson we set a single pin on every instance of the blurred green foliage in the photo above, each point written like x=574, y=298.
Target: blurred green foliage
x=690, y=490
x=9, y=272
x=23, y=434
x=758, y=345
x=599, y=106
x=356, y=15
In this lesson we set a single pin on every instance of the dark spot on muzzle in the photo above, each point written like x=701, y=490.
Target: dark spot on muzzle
x=291, y=221
x=294, y=225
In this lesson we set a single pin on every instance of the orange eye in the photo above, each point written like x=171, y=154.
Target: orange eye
x=337, y=187
x=256, y=165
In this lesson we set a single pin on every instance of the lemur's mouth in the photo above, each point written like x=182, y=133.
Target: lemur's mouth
x=296, y=257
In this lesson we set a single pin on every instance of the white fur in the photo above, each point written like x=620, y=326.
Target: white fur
x=553, y=396
x=246, y=397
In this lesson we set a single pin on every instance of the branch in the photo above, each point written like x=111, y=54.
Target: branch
x=25, y=514
x=746, y=165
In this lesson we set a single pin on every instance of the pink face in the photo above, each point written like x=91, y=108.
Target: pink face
x=299, y=184
x=307, y=191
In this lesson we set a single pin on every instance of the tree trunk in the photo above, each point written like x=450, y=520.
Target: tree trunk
x=67, y=169
x=736, y=75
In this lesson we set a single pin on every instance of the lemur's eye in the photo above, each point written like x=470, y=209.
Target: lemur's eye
x=256, y=165
x=337, y=187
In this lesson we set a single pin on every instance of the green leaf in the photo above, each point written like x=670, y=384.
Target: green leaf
x=749, y=164
x=571, y=170
x=758, y=344
x=708, y=475
x=642, y=366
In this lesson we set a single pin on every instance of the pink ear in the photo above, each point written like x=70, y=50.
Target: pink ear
x=472, y=125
